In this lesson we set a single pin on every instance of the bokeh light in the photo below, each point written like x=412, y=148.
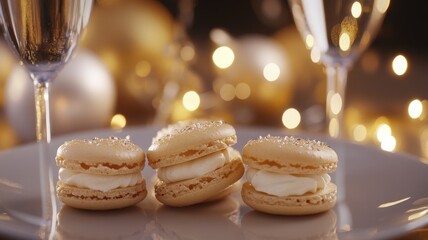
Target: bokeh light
x=219, y=36
x=271, y=72
x=143, y=69
x=415, y=109
x=388, y=143
x=223, y=57
x=356, y=9
x=315, y=55
x=118, y=121
x=344, y=41
x=291, y=118
x=399, y=65
x=187, y=53
x=359, y=133
x=309, y=40
x=383, y=131
x=336, y=103
x=227, y=92
x=243, y=91
x=191, y=100
x=333, y=127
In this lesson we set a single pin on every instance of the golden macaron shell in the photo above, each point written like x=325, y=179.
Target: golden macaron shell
x=290, y=156
x=105, y=158
x=187, y=140
x=193, y=140
x=208, y=187
x=311, y=203
x=108, y=156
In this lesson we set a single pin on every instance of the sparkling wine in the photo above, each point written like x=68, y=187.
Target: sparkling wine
x=338, y=29
x=43, y=33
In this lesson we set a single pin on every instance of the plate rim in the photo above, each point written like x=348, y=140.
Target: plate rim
x=392, y=232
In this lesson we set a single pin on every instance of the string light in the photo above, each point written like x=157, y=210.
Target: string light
x=309, y=40
x=415, y=109
x=383, y=131
x=315, y=55
x=344, y=42
x=191, y=100
x=143, y=69
x=356, y=9
x=118, y=121
x=336, y=103
x=271, y=72
x=243, y=91
x=388, y=143
x=291, y=118
x=223, y=57
x=399, y=65
x=227, y=92
x=187, y=53
x=333, y=127
x=359, y=133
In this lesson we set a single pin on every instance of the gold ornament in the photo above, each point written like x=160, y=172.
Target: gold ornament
x=8, y=136
x=309, y=76
x=259, y=76
x=7, y=61
x=131, y=38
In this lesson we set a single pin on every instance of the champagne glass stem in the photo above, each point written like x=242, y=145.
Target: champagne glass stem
x=336, y=86
x=41, y=94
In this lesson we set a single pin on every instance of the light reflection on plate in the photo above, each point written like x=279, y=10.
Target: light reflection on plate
x=213, y=220
x=128, y=223
x=263, y=226
x=367, y=178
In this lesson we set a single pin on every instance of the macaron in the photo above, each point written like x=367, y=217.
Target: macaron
x=195, y=162
x=100, y=173
x=289, y=176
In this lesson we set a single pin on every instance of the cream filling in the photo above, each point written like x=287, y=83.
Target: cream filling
x=194, y=168
x=98, y=182
x=282, y=185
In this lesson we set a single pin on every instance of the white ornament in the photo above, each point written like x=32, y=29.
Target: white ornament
x=83, y=96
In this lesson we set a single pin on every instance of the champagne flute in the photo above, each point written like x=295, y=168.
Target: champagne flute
x=43, y=35
x=338, y=31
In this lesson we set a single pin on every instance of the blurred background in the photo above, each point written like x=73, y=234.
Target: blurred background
x=142, y=62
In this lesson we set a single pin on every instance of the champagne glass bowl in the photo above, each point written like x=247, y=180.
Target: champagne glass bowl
x=337, y=31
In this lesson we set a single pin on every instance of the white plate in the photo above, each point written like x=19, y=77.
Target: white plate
x=367, y=179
